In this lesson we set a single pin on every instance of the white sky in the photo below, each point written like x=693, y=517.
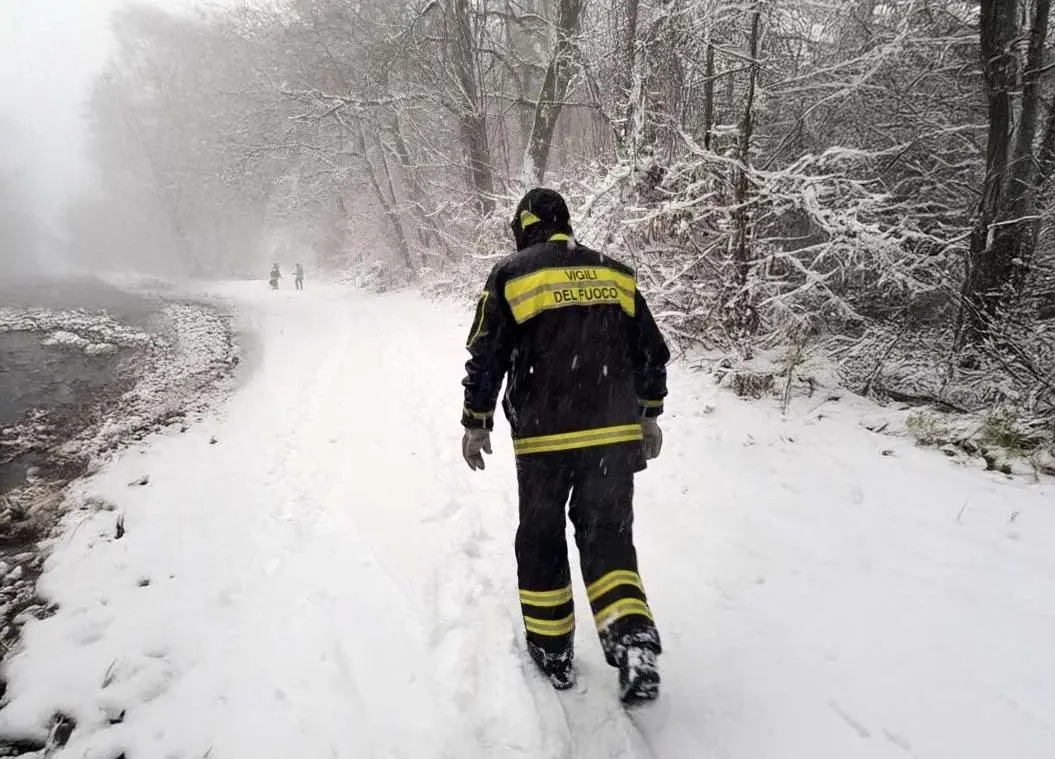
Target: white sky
x=50, y=51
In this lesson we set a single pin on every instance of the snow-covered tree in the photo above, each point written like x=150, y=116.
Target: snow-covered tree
x=778, y=172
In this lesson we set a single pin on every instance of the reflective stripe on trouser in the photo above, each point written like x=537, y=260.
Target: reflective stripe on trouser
x=542, y=565
x=548, y=613
x=602, y=514
x=616, y=595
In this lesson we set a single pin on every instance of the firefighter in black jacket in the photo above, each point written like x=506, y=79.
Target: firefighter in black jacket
x=586, y=377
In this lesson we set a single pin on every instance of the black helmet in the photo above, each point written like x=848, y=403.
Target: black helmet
x=539, y=214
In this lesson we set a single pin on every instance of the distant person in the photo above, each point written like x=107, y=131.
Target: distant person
x=276, y=275
x=298, y=277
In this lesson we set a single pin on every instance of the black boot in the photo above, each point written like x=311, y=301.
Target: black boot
x=638, y=673
x=633, y=647
x=556, y=665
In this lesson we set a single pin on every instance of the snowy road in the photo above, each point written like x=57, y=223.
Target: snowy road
x=329, y=580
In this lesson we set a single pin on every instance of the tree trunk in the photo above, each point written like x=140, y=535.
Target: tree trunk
x=387, y=204
x=393, y=204
x=554, y=90
x=1045, y=169
x=626, y=71
x=744, y=314
x=1024, y=177
x=989, y=259
x=418, y=195
x=632, y=87
x=472, y=120
x=708, y=95
x=523, y=39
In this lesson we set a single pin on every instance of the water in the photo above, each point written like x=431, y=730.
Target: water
x=34, y=375
x=57, y=379
x=71, y=387
x=38, y=376
x=73, y=293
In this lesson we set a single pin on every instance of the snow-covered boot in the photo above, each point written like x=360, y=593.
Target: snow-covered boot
x=556, y=665
x=638, y=674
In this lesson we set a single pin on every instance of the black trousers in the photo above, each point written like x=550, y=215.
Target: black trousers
x=602, y=514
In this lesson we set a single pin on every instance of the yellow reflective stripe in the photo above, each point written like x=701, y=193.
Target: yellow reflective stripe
x=479, y=328
x=624, y=607
x=599, y=587
x=547, y=289
x=482, y=415
x=650, y=404
x=546, y=597
x=527, y=219
x=625, y=433
x=565, y=275
x=559, y=237
x=550, y=627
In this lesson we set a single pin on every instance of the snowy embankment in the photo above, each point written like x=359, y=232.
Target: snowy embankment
x=312, y=571
x=164, y=371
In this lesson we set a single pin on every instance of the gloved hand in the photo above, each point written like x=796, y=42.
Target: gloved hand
x=473, y=442
x=652, y=442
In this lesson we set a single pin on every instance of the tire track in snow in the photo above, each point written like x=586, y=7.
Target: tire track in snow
x=380, y=672
x=471, y=631
x=476, y=632
x=468, y=617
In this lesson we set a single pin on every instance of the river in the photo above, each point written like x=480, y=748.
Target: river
x=52, y=377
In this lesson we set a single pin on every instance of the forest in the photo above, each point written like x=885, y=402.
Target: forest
x=853, y=188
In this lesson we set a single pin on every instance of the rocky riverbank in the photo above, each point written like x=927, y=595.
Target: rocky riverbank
x=84, y=370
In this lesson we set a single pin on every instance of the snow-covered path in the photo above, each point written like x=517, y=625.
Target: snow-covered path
x=329, y=580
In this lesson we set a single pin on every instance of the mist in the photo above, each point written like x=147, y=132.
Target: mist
x=51, y=55
x=825, y=192
x=816, y=235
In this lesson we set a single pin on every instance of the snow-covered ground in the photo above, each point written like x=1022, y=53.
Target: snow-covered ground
x=312, y=571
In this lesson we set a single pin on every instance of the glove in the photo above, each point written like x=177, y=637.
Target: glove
x=473, y=442
x=652, y=442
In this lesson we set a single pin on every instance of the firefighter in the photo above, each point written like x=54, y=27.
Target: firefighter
x=298, y=277
x=585, y=370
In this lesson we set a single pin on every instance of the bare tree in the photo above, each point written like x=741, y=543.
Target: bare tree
x=472, y=116
x=554, y=90
x=744, y=316
x=777, y=172
x=1004, y=237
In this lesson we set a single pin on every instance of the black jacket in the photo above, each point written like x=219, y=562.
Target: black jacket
x=584, y=357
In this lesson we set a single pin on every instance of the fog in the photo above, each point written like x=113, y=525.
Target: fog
x=177, y=138
x=51, y=52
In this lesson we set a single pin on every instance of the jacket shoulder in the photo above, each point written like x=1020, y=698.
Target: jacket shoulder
x=525, y=261
x=611, y=263
x=550, y=255
x=501, y=268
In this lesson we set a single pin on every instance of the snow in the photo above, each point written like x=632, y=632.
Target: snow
x=62, y=337
x=73, y=340
x=329, y=579
x=78, y=328
x=176, y=378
